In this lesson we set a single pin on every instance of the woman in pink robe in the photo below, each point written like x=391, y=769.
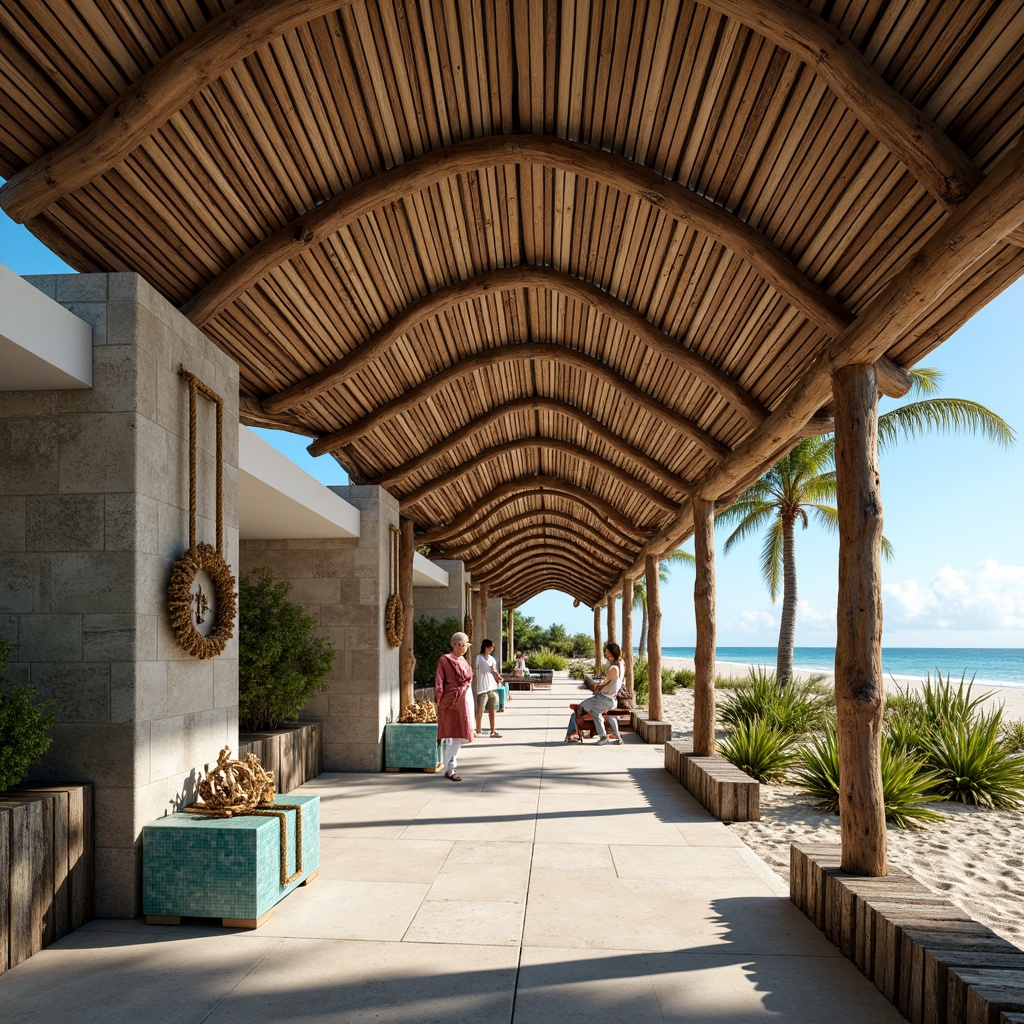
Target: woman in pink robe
x=451, y=686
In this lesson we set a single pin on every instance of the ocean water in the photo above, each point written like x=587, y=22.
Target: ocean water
x=1001, y=665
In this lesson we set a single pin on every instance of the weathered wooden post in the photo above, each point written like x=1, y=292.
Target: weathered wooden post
x=484, y=635
x=406, y=655
x=653, y=639
x=598, y=648
x=860, y=695
x=611, y=617
x=704, y=613
x=627, y=633
x=511, y=653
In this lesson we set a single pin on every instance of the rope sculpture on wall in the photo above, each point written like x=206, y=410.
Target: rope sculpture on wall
x=394, y=612
x=467, y=622
x=233, y=788
x=187, y=608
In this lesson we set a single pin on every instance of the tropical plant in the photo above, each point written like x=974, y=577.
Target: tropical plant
x=677, y=557
x=906, y=781
x=759, y=750
x=547, y=659
x=973, y=763
x=793, y=710
x=641, y=681
x=802, y=485
x=25, y=721
x=1013, y=733
x=580, y=667
x=430, y=639
x=668, y=681
x=281, y=664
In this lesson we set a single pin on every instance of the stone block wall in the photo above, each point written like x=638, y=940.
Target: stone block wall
x=93, y=513
x=345, y=584
x=443, y=602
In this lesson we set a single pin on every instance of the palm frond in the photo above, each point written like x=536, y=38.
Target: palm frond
x=943, y=415
x=754, y=520
x=771, y=559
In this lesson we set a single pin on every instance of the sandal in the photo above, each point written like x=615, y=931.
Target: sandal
x=495, y=735
x=452, y=776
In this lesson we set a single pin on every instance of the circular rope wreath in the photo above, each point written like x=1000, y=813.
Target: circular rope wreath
x=180, y=601
x=394, y=610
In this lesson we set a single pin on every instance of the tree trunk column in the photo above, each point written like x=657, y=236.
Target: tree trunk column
x=627, y=634
x=611, y=618
x=653, y=639
x=485, y=594
x=598, y=649
x=704, y=613
x=860, y=699
x=511, y=652
x=406, y=656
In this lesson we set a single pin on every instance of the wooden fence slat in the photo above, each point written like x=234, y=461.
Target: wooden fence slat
x=5, y=888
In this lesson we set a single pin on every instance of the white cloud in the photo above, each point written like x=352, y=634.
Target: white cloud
x=807, y=615
x=753, y=622
x=990, y=597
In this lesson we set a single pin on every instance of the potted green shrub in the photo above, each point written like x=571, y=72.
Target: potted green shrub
x=281, y=664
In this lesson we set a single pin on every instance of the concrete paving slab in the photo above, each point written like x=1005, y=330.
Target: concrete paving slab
x=556, y=884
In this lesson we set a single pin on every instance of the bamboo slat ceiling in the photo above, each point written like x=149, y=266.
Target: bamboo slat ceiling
x=541, y=269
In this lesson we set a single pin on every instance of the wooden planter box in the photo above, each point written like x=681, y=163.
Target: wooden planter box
x=412, y=745
x=46, y=866
x=294, y=753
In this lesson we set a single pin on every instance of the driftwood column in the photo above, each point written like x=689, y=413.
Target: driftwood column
x=406, y=655
x=484, y=596
x=611, y=618
x=653, y=639
x=704, y=613
x=627, y=633
x=598, y=649
x=511, y=652
x=860, y=700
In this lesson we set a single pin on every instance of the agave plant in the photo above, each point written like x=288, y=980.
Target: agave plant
x=974, y=763
x=759, y=750
x=944, y=704
x=796, y=709
x=1013, y=733
x=907, y=782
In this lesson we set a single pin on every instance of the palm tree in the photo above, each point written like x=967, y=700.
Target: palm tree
x=679, y=556
x=802, y=485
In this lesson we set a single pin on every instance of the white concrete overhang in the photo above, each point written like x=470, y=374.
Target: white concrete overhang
x=426, y=573
x=43, y=346
x=279, y=501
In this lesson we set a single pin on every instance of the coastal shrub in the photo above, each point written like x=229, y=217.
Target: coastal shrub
x=641, y=681
x=579, y=667
x=906, y=781
x=801, y=707
x=24, y=723
x=281, y=664
x=974, y=763
x=668, y=681
x=759, y=750
x=430, y=639
x=545, y=658
x=944, y=704
x=686, y=677
x=1013, y=733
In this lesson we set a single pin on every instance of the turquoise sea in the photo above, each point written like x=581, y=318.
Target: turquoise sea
x=1001, y=665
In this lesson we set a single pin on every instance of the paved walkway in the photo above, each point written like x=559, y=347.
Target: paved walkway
x=555, y=883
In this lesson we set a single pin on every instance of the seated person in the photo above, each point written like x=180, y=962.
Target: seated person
x=520, y=670
x=605, y=692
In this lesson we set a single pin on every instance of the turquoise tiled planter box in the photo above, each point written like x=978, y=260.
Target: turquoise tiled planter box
x=194, y=866
x=411, y=745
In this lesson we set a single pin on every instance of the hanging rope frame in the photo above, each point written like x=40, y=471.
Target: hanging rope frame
x=202, y=557
x=394, y=612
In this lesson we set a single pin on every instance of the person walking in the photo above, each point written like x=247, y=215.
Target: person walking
x=486, y=680
x=452, y=680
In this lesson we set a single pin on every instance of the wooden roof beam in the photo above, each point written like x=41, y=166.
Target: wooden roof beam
x=640, y=183
x=482, y=423
x=538, y=485
x=983, y=221
x=941, y=167
x=150, y=101
x=406, y=501
x=561, y=575
x=593, y=543
x=510, y=279
x=540, y=549
x=508, y=353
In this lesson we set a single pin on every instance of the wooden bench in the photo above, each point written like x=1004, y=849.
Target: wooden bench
x=722, y=788
x=651, y=730
x=517, y=682
x=586, y=720
x=925, y=955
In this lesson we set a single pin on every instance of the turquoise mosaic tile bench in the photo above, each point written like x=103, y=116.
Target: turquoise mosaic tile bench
x=194, y=866
x=411, y=745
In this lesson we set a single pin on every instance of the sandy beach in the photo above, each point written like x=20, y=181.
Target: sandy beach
x=975, y=856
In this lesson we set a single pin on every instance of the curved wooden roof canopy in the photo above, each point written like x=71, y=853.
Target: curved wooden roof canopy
x=542, y=269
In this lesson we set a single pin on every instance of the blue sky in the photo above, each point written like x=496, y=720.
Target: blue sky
x=954, y=511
